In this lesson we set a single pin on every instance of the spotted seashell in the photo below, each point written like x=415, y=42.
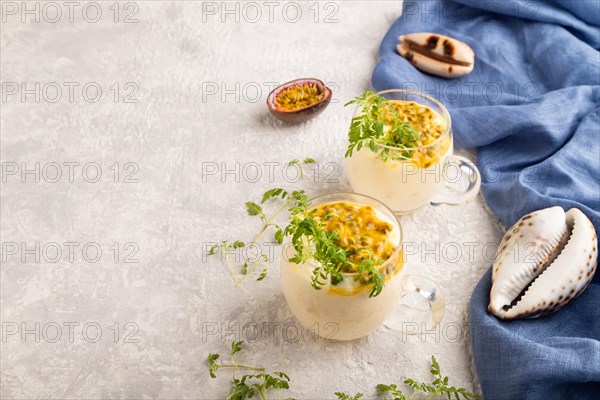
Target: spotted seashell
x=544, y=261
x=437, y=54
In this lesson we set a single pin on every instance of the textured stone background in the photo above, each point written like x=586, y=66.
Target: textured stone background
x=180, y=307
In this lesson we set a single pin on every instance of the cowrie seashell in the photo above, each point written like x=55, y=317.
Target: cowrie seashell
x=544, y=261
x=437, y=54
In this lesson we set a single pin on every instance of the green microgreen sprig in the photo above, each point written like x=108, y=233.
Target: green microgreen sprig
x=301, y=164
x=250, y=265
x=380, y=123
x=311, y=241
x=249, y=385
x=439, y=387
x=344, y=396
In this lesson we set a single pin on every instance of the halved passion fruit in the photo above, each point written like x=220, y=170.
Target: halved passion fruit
x=299, y=100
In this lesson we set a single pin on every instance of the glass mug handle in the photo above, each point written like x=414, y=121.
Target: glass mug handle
x=421, y=306
x=461, y=190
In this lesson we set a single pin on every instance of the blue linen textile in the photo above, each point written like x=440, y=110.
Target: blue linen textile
x=531, y=106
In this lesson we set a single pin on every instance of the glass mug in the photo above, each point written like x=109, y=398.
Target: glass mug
x=345, y=311
x=415, y=177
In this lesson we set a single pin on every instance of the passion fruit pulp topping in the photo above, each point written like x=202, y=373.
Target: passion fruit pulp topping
x=359, y=229
x=298, y=97
x=429, y=125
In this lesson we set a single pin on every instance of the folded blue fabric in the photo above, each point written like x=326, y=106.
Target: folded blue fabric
x=531, y=106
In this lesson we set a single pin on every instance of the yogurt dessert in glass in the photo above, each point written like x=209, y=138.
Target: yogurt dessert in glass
x=407, y=163
x=347, y=306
